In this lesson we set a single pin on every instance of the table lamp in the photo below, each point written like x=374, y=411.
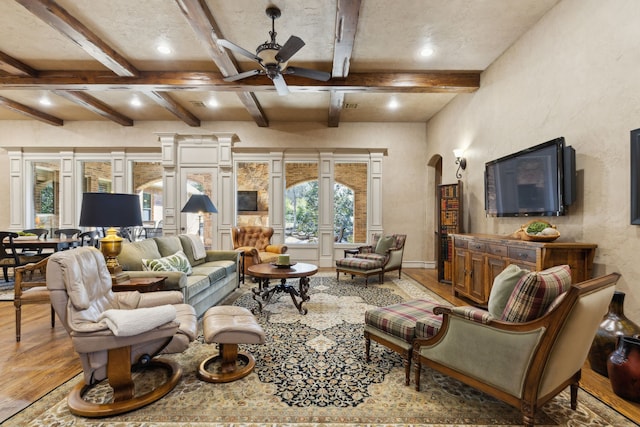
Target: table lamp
x=111, y=210
x=199, y=203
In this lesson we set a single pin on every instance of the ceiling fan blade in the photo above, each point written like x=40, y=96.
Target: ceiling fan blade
x=308, y=73
x=238, y=49
x=281, y=85
x=289, y=49
x=242, y=75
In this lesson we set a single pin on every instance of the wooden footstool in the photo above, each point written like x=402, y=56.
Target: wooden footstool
x=396, y=326
x=229, y=326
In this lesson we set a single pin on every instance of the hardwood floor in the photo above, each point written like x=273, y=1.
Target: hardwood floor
x=44, y=358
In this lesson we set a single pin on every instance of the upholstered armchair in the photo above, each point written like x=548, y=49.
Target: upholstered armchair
x=115, y=332
x=524, y=364
x=389, y=249
x=255, y=241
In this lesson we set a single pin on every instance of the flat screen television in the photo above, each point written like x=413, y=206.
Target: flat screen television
x=247, y=200
x=537, y=181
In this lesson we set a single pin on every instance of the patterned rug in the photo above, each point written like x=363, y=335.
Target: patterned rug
x=312, y=372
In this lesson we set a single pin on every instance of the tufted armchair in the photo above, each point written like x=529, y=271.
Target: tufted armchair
x=114, y=333
x=255, y=241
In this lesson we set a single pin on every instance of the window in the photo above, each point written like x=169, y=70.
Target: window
x=45, y=197
x=301, y=203
x=350, y=201
x=97, y=176
x=147, y=183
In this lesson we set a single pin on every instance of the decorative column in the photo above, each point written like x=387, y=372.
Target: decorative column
x=326, y=214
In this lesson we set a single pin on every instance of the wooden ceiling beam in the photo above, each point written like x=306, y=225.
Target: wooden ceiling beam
x=347, y=14
x=90, y=103
x=57, y=17
x=336, y=101
x=383, y=82
x=15, y=67
x=164, y=99
x=207, y=31
x=30, y=112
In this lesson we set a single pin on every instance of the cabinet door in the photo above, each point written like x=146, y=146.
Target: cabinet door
x=459, y=271
x=495, y=266
x=476, y=277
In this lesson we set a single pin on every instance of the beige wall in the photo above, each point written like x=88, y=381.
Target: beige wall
x=575, y=74
x=404, y=166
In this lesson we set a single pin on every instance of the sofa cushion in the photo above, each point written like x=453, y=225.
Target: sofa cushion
x=175, y=262
x=168, y=245
x=534, y=292
x=230, y=267
x=214, y=273
x=384, y=244
x=131, y=256
x=502, y=288
x=399, y=320
x=196, y=284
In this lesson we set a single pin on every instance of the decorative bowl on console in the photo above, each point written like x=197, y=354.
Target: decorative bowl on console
x=538, y=231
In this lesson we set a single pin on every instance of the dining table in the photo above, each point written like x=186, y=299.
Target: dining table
x=35, y=244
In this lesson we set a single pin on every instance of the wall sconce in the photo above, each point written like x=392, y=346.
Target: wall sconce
x=460, y=161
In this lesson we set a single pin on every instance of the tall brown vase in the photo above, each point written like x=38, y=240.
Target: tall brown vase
x=614, y=324
x=624, y=369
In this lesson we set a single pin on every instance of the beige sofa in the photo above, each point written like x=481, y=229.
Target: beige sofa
x=213, y=278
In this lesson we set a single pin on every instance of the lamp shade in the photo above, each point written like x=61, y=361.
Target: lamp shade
x=199, y=203
x=110, y=210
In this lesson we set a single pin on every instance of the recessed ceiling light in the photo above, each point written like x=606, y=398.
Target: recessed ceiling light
x=164, y=49
x=213, y=103
x=393, y=104
x=426, y=52
x=135, y=102
x=45, y=101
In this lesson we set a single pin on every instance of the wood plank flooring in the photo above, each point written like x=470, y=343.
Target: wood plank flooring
x=44, y=358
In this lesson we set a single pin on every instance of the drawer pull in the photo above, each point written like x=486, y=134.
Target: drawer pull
x=523, y=255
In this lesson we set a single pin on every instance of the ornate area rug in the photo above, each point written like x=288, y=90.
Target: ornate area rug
x=312, y=372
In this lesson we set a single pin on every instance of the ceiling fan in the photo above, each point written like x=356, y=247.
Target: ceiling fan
x=273, y=58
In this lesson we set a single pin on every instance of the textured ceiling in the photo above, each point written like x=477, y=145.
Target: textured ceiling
x=466, y=35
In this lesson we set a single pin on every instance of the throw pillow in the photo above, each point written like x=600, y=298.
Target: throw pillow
x=384, y=244
x=534, y=292
x=502, y=288
x=175, y=262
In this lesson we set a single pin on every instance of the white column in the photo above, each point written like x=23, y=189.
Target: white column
x=326, y=214
x=276, y=196
x=67, y=191
x=374, y=212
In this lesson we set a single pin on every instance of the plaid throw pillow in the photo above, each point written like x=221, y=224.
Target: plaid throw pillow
x=534, y=292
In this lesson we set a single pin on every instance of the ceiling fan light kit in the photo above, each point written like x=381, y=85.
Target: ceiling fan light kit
x=273, y=58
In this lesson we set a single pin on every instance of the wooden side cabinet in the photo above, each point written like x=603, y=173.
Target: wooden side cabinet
x=479, y=258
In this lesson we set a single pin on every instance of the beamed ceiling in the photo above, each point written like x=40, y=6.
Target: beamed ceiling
x=90, y=58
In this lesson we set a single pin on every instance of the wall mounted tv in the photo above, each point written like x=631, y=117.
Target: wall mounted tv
x=247, y=201
x=537, y=181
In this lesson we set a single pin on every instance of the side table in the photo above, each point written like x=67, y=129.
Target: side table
x=241, y=252
x=140, y=284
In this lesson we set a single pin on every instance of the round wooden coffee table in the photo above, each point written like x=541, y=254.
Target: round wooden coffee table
x=265, y=272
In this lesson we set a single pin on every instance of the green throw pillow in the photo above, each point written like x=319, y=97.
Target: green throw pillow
x=502, y=288
x=175, y=262
x=384, y=244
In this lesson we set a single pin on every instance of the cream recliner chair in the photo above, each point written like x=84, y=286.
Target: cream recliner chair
x=114, y=331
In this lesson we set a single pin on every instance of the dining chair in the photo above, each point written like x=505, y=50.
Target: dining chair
x=41, y=234
x=68, y=233
x=89, y=238
x=30, y=287
x=9, y=257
